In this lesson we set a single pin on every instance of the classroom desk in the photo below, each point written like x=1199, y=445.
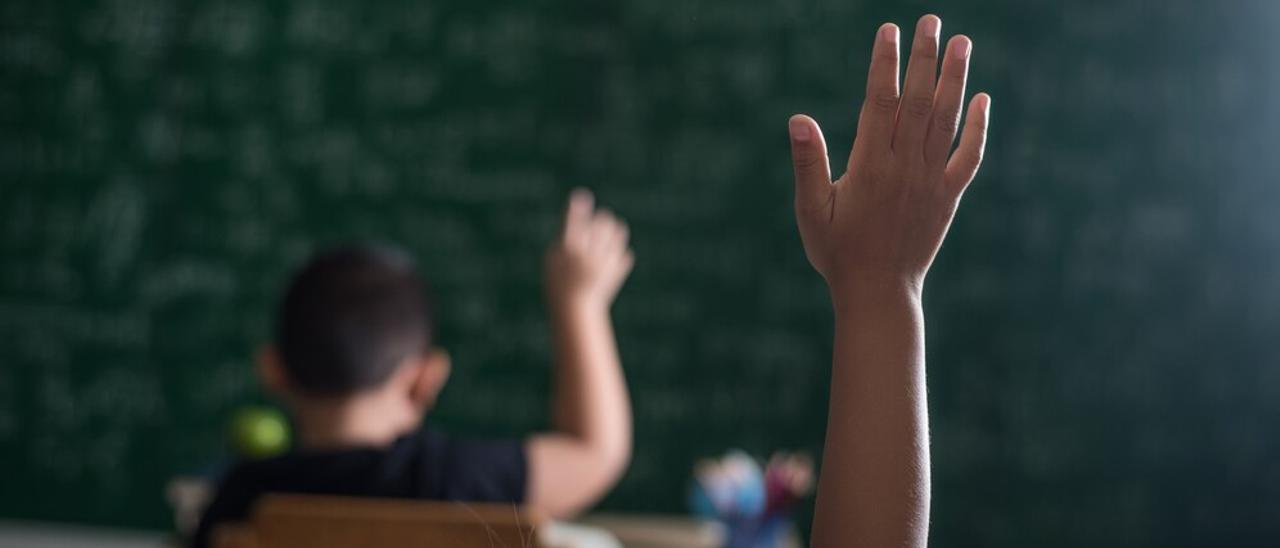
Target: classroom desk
x=666, y=531
x=657, y=531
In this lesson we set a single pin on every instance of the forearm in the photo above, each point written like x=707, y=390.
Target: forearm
x=874, y=487
x=590, y=402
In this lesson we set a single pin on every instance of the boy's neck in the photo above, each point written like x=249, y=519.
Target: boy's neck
x=350, y=423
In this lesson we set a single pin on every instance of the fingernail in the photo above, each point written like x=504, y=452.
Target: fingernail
x=984, y=105
x=961, y=47
x=931, y=26
x=800, y=131
x=889, y=33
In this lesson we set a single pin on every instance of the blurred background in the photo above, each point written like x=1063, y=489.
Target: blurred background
x=1103, y=321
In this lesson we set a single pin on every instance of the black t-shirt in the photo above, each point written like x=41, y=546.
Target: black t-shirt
x=422, y=465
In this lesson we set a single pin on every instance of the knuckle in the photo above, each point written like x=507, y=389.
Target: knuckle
x=973, y=158
x=920, y=105
x=805, y=161
x=948, y=125
x=883, y=100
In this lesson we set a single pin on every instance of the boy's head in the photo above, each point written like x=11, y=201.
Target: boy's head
x=355, y=326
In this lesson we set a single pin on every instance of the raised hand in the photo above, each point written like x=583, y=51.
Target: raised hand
x=873, y=234
x=590, y=260
x=884, y=219
x=575, y=464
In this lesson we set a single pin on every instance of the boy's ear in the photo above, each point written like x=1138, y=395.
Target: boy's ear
x=429, y=374
x=271, y=371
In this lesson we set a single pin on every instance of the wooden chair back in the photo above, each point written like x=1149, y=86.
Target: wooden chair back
x=307, y=521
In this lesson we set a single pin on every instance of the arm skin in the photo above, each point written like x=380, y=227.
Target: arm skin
x=872, y=234
x=874, y=485
x=574, y=466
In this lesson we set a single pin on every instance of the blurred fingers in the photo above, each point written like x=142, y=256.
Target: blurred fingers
x=627, y=263
x=577, y=217
x=608, y=234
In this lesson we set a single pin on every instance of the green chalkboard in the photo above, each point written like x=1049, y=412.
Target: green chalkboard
x=1104, y=368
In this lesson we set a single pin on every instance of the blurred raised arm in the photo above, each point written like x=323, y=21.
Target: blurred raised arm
x=575, y=465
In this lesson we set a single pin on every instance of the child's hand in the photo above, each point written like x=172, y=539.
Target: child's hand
x=589, y=262
x=883, y=221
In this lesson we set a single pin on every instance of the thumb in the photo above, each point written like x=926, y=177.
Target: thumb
x=809, y=159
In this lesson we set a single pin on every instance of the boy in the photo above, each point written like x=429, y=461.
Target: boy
x=353, y=360
x=872, y=234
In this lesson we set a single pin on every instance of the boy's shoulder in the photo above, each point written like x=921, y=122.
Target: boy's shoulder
x=426, y=464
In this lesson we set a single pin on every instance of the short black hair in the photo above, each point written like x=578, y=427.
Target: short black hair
x=349, y=317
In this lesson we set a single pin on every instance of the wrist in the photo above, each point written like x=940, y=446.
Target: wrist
x=875, y=293
x=577, y=304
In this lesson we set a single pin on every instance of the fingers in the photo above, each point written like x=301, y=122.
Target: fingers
x=608, y=244
x=948, y=101
x=968, y=156
x=628, y=262
x=916, y=105
x=880, y=108
x=607, y=236
x=597, y=232
x=809, y=159
x=577, y=216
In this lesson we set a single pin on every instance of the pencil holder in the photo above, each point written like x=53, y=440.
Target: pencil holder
x=753, y=503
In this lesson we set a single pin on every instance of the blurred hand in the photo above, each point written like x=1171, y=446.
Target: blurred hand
x=590, y=260
x=883, y=221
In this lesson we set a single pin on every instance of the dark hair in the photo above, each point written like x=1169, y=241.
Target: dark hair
x=350, y=316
